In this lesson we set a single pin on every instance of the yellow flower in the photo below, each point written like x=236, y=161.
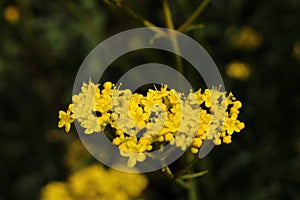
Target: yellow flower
x=134, y=150
x=56, y=190
x=197, y=142
x=11, y=14
x=133, y=158
x=139, y=123
x=136, y=112
x=227, y=139
x=91, y=125
x=96, y=183
x=232, y=125
x=246, y=38
x=206, y=97
x=296, y=51
x=238, y=70
x=133, y=184
x=182, y=141
x=65, y=119
x=102, y=102
x=89, y=183
x=84, y=104
x=76, y=154
x=107, y=85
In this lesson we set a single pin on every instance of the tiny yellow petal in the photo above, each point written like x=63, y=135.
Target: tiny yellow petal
x=197, y=142
x=169, y=137
x=194, y=150
x=217, y=141
x=227, y=139
x=107, y=85
x=116, y=141
x=240, y=125
x=140, y=157
x=131, y=162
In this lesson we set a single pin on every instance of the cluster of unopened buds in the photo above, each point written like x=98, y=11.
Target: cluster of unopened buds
x=140, y=124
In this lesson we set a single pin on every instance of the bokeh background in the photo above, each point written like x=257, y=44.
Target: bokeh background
x=255, y=44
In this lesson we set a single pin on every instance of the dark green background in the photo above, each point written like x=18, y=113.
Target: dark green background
x=40, y=56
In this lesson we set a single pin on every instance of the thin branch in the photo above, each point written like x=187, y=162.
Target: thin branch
x=194, y=15
x=170, y=25
x=194, y=175
x=136, y=16
x=168, y=15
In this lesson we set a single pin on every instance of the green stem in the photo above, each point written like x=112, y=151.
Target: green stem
x=192, y=191
x=190, y=185
x=188, y=166
x=136, y=16
x=170, y=25
x=168, y=171
x=179, y=181
x=193, y=16
x=194, y=175
x=168, y=15
x=183, y=184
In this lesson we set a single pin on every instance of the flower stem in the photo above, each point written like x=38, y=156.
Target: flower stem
x=168, y=171
x=136, y=16
x=194, y=175
x=170, y=25
x=168, y=16
x=192, y=191
x=193, y=16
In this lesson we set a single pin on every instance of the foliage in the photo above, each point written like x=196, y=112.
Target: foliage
x=43, y=44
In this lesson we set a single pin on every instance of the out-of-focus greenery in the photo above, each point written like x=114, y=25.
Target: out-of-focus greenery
x=255, y=44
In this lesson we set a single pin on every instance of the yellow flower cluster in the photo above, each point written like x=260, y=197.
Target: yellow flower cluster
x=11, y=14
x=96, y=183
x=296, y=51
x=161, y=117
x=76, y=154
x=238, y=70
x=245, y=38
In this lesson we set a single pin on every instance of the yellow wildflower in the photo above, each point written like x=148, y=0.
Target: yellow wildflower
x=96, y=183
x=134, y=150
x=133, y=158
x=227, y=139
x=65, y=119
x=93, y=183
x=169, y=137
x=238, y=70
x=197, y=142
x=57, y=191
x=296, y=51
x=11, y=14
x=136, y=112
x=122, y=182
x=75, y=155
x=139, y=123
x=245, y=38
x=88, y=182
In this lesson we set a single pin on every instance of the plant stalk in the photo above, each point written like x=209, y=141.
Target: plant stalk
x=193, y=16
x=170, y=25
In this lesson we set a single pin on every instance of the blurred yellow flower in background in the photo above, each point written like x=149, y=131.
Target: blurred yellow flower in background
x=238, y=70
x=76, y=155
x=296, y=51
x=96, y=183
x=245, y=38
x=11, y=14
x=55, y=190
